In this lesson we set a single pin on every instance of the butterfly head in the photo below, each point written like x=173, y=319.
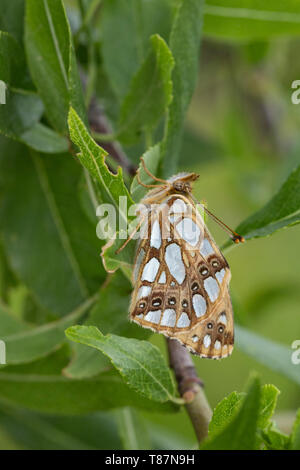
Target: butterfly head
x=182, y=182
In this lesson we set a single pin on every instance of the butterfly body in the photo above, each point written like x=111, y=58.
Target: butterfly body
x=181, y=279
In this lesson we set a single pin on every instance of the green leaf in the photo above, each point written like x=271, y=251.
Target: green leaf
x=282, y=211
x=135, y=21
x=10, y=323
x=184, y=45
x=112, y=187
x=295, y=435
x=240, y=433
x=21, y=112
x=33, y=431
x=224, y=412
x=250, y=20
x=267, y=434
x=110, y=314
x=85, y=363
x=273, y=355
x=152, y=160
x=29, y=345
x=275, y=440
x=43, y=139
x=132, y=430
x=227, y=409
x=51, y=60
x=40, y=209
x=59, y=395
x=149, y=95
x=123, y=260
x=269, y=395
x=140, y=363
x=92, y=157
x=12, y=17
x=11, y=60
x=14, y=121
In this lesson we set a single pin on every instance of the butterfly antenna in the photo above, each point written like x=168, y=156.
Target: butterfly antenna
x=233, y=235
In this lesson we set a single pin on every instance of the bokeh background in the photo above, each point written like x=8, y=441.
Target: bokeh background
x=242, y=137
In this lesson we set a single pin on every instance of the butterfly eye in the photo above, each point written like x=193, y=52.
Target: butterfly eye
x=172, y=301
x=215, y=263
x=178, y=186
x=156, y=302
x=203, y=270
x=195, y=286
x=209, y=325
x=142, y=305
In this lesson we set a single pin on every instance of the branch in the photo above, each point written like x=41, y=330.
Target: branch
x=190, y=388
x=99, y=124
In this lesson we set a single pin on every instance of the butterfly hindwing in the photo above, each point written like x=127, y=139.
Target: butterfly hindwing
x=181, y=281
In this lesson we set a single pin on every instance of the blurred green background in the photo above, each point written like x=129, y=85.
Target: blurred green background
x=242, y=137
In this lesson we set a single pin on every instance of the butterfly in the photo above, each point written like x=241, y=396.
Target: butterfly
x=180, y=277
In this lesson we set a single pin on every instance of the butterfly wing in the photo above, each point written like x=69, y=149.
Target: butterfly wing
x=181, y=281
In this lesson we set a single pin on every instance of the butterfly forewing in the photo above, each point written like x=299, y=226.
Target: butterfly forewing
x=181, y=280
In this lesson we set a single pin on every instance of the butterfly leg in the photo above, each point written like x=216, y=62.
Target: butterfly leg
x=131, y=236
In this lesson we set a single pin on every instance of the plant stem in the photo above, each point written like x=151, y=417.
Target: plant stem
x=103, y=137
x=100, y=126
x=87, y=17
x=190, y=388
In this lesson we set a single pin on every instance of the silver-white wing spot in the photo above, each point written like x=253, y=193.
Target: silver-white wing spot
x=207, y=341
x=150, y=270
x=183, y=321
x=212, y=288
x=223, y=319
x=188, y=231
x=217, y=344
x=174, y=262
x=220, y=275
x=153, y=316
x=199, y=304
x=162, y=278
x=155, y=240
x=169, y=318
x=178, y=206
x=206, y=248
x=144, y=291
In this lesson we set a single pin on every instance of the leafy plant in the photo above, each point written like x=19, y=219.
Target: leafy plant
x=90, y=86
